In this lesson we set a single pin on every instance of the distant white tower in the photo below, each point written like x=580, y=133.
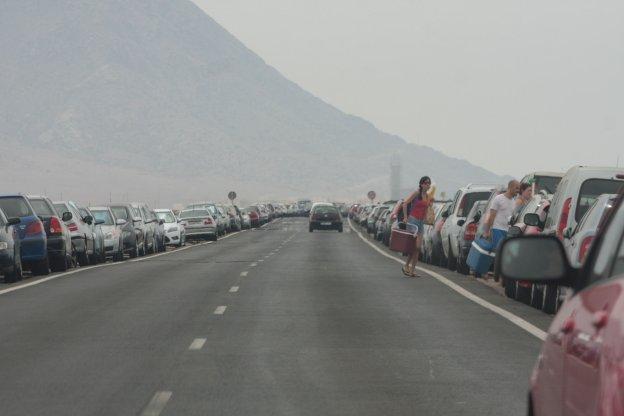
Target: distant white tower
x=395, y=177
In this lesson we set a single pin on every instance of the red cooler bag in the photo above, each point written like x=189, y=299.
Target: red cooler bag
x=402, y=241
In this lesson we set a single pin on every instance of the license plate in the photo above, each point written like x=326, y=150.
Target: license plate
x=326, y=223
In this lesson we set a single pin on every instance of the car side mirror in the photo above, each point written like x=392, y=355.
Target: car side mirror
x=88, y=219
x=539, y=259
x=461, y=222
x=532, y=219
x=445, y=214
x=67, y=216
x=121, y=221
x=477, y=217
x=161, y=222
x=568, y=233
x=14, y=221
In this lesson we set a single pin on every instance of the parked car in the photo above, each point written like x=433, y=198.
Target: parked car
x=10, y=256
x=244, y=217
x=234, y=217
x=467, y=233
x=529, y=221
x=112, y=230
x=199, y=223
x=371, y=221
x=432, y=250
x=175, y=232
x=149, y=225
x=578, y=241
x=577, y=191
x=132, y=236
x=59, y=243
x=462, y=203
x=579, y=369
x=382, y=223
x=254, y=215
x=83, y=239
x=31, y=233
x=214, y=213
x=99, y=254
x=325, y=216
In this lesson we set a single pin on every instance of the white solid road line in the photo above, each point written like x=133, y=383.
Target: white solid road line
x=254, y=264
x=197, y=344
x=220, y=310
x=243, y=274
x=84, y=269
x=516, y=320
x=234, y=289
x=157, y=404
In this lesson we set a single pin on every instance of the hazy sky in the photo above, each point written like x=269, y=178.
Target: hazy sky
x=512, y=86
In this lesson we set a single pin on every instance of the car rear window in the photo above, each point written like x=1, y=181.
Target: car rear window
x=15, y=207
x=591, y=190
x=120, y=212
x=42, y=208
x=103, y=216
x=325, y=210
x=547, y=183
x=166, y=217
x=194, y=213
x=469, y=200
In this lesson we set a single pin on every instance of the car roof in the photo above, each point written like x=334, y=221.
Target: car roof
x=162, y=210
x=100, y=208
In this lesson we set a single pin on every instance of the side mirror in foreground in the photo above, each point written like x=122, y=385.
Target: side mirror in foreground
x=534, y=258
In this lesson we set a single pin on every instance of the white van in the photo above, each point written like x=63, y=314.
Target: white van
x=578, y=190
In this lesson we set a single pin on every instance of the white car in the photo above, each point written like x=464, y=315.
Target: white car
x=175, y=232
x=578, y=242
x=112, y=230
x=462, y=203
x=578, y=190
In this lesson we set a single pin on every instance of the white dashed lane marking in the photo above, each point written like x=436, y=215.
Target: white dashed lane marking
x=220, y=310
x=234, y=289
x=197, y=344
x=157, y=404
x=254, y=264
x=243, y=274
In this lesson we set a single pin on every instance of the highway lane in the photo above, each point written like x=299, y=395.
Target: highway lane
x=266, y=322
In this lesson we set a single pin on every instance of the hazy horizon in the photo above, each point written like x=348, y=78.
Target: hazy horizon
x=468, y=79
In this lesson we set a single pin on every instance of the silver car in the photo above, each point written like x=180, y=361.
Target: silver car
x=199, y=223
x=113, y=234
x=175, y=233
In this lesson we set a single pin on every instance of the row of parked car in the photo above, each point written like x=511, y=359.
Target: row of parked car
x=570, y=205
x=42, y=236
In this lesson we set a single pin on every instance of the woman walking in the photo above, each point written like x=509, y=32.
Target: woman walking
x=415, y=209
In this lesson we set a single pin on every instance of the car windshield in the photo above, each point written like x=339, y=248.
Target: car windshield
x=469, y=200
x=15, y=207
x=120, y=212
x=103, y=215
x=42, y=208
x=591, y=190
x=194, y=213
x=325, y=209
x=167, y=217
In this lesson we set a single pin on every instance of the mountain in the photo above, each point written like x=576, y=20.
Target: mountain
x=154, y=99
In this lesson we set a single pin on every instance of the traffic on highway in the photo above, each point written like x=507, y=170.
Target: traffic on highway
x=276, y=316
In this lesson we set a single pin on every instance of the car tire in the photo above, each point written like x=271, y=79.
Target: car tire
x=510, y=288
x=214, y=237
x=551, y=295
x=462, y=267
x=16, y=274
x=134, y=253
x=523, y=294
x=83, y=258
x=452, y=261
x=60, y=264
x=41, y=267
x=537, y=297
x=310, y=229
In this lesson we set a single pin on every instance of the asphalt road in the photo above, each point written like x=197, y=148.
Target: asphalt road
x=276, y=321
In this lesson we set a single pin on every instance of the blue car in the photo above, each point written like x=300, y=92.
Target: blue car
x=10, y=261
x=31, y=233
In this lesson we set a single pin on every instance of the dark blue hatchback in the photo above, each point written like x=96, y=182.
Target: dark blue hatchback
x=31, y=233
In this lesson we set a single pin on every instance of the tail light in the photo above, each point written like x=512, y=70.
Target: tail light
x=253, y=214
x=55, y=226
x=207, y=221
x=72, y=226
x=471, y=231
x=585, y=245
x=563, y=220
x=34, y=228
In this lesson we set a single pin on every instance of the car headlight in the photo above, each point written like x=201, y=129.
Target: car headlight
x=3, y=245
x=172, y=229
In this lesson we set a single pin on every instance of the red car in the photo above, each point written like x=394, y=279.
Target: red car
x=580, y=370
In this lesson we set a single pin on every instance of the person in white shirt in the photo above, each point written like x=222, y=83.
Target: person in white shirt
x=501, y=210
